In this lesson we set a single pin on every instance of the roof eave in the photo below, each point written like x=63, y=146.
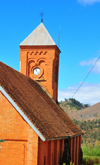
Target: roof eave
x=64, y=137
x=39, y=46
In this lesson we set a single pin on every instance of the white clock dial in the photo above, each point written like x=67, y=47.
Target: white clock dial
x=36, y=71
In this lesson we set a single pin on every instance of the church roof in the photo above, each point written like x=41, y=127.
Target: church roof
x=46, y=116
x=39, y=36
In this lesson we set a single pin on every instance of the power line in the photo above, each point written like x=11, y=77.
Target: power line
x=86, y=76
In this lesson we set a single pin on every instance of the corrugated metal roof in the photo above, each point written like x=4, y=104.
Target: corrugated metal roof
x=39, y=36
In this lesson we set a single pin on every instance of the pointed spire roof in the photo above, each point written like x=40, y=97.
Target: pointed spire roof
x=39, y=36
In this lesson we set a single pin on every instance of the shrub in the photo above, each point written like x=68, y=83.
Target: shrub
x=91, y=154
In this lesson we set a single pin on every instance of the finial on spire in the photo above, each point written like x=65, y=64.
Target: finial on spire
x=41, y=15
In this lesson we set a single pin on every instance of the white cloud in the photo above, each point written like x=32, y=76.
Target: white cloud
x=88, y=1
x=87, y=94
x=91, y=62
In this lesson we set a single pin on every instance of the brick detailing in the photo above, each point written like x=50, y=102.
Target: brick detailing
x=47, y=59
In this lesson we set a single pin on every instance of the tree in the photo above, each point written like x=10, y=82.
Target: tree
x=66, y=99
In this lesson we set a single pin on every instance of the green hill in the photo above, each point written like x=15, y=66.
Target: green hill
x=72, y=104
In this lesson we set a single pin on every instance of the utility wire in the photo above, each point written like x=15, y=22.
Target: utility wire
x=86, y=76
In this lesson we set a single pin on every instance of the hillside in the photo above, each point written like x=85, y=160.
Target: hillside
x=79, y=111
x=90, y=113
x=86, y=118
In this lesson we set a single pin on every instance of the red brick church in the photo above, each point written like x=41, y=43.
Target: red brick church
x=32, y=124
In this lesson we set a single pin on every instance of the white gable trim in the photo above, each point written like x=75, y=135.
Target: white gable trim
x=22, y=114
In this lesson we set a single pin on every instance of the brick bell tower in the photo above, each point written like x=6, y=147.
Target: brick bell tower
x=39, y=59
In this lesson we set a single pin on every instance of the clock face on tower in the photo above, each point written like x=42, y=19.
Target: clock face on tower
x=37, y=67
x=36, y=71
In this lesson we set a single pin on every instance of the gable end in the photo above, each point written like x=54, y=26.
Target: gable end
x=22, y=114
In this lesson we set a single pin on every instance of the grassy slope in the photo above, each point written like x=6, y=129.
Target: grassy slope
x=91, y=154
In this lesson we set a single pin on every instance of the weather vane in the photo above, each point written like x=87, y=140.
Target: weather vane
x=41, y=14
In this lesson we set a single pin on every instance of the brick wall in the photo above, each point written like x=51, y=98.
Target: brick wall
x=21, y=142
x=47, y=59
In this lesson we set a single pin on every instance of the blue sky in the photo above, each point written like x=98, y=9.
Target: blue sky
x=79, y=23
